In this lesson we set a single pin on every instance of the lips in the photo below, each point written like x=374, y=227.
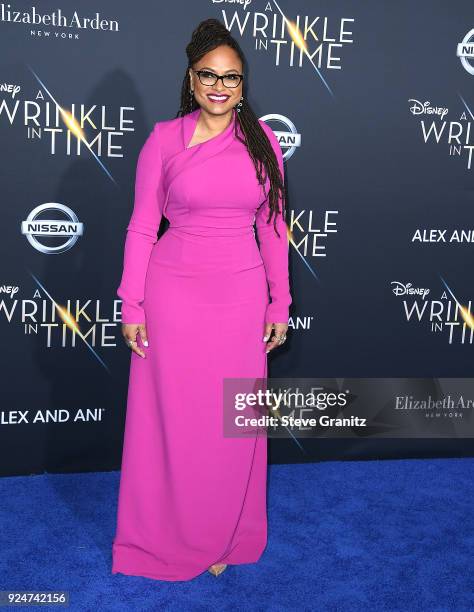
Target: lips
x=218, y=98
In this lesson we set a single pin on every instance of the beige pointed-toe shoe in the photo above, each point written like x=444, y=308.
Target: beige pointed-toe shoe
x=217, y=568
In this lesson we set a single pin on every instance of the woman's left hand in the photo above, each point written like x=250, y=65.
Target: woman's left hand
x=278, y=337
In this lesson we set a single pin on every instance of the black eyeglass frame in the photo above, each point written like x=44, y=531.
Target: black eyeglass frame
x=222, y=77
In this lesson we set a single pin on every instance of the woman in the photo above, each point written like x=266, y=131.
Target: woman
x=195, y=309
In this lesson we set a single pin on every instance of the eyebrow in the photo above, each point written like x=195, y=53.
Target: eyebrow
x=214, y=70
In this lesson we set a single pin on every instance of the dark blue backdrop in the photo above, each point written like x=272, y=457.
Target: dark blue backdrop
x=378, y=106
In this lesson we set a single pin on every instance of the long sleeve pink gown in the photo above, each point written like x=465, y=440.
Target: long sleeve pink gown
x=190, y=497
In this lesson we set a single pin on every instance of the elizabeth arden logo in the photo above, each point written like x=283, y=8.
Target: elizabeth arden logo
x=56, y=19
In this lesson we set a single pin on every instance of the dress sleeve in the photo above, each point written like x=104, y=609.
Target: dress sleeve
x=274, y=249
x=142, y=229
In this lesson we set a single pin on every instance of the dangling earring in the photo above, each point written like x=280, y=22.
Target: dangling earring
x=239, y=104
x=191, y=94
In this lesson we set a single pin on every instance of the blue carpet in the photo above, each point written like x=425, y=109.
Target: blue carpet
x=343, y=536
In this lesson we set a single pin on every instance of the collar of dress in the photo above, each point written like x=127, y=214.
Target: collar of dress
x=189, y=126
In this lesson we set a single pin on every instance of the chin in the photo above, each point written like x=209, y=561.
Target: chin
x=220, y=110
x=217, y=109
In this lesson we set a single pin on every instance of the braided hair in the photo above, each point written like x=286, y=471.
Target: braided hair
x=208, y=35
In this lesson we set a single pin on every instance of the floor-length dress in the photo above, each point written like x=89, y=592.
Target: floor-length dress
x=190, y=497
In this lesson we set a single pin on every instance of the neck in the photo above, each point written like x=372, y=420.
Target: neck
x=215, y=123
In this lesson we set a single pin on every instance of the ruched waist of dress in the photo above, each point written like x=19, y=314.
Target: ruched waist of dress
x=211, y=225
x=205, y=249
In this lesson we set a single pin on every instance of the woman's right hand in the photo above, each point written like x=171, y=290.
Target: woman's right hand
x=130, y=332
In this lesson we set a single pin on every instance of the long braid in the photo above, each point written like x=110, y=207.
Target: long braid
x=208, y=35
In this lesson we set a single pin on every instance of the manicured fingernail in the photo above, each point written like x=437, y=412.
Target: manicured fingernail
x=265, y=338
x=145, y=342
x=267, y=351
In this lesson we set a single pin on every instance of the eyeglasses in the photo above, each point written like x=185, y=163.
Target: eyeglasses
x=206, y=77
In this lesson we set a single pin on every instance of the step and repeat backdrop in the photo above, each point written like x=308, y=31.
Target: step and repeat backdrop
x=372, y=103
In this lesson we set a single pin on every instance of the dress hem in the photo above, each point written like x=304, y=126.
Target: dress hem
x=132, y=572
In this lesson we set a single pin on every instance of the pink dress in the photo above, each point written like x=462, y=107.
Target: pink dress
x=190, y=497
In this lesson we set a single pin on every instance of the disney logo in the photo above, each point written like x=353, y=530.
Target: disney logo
x=408, y=289
x=244, y=3
x=9, y=290
x=10, y=88
x=424, y=108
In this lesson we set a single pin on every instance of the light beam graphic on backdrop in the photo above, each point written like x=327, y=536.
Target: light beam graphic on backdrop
x=465, y=104
x=73, y=125
x=300, y=42
x=465, y=313
x=278, y=416
x=290, y=239
x=69, y=321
